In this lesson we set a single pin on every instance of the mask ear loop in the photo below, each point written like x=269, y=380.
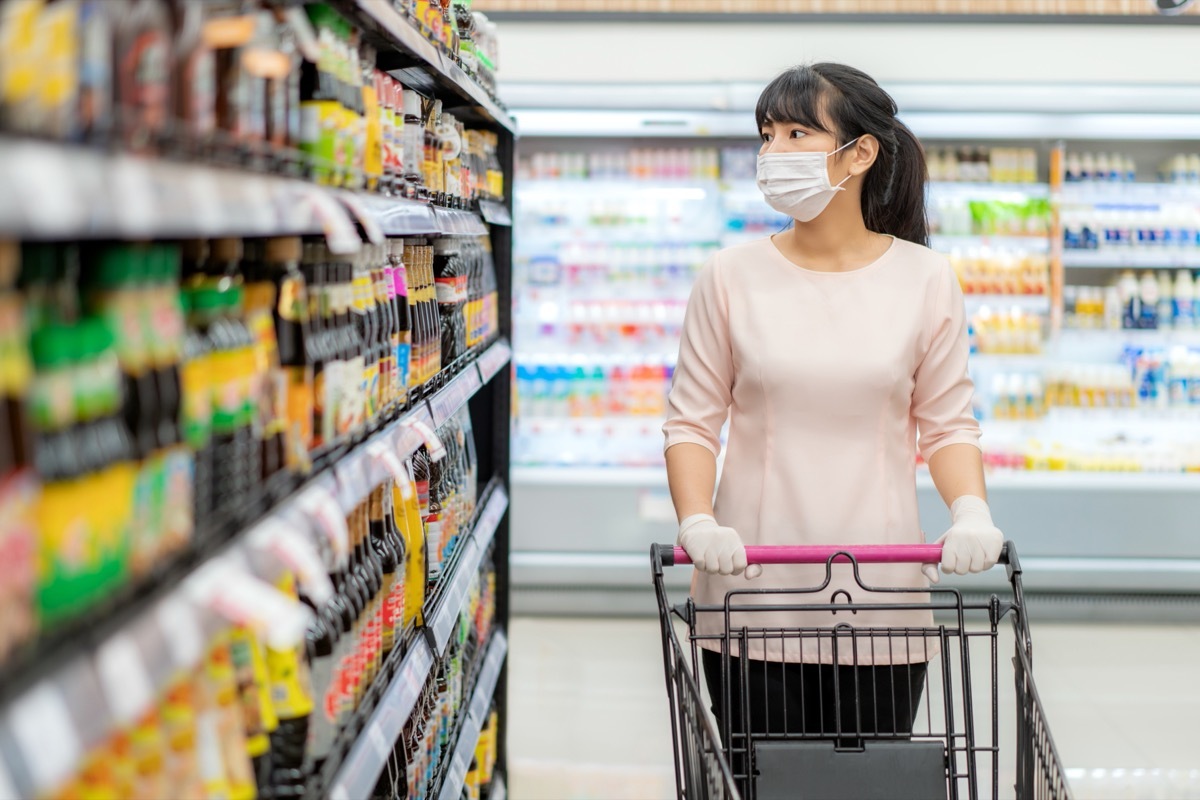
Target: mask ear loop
x=839, y=184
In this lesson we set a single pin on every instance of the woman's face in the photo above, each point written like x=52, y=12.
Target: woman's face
x=792, y=137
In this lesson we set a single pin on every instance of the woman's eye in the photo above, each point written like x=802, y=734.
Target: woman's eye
x=796, y=134
x=766, y=137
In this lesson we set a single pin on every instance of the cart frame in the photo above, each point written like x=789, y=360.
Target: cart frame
x=719, y=763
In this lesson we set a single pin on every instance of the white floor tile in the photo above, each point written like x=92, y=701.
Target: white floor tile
x=589, y=718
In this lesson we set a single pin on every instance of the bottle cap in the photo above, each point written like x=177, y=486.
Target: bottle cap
x=283, y=249
x=227, y=249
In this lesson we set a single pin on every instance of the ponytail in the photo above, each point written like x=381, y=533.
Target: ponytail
x=893, y=195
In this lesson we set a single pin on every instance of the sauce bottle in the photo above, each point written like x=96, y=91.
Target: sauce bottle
x=321, y=648
x=197, y=378
x=317, y=350
x=143, y=74
x=249, y=439
x=297, y=353
x=401, y=334
x=363, y=316
x=291, y=694
x=195, y=79
x=261, y=310
x=382, y=545
x=258, y=712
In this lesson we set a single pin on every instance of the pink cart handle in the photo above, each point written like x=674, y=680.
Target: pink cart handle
x=819, y=554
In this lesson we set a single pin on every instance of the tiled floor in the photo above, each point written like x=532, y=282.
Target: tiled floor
x=589, y=715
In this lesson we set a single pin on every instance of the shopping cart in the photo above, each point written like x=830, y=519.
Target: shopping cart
x=834, y=750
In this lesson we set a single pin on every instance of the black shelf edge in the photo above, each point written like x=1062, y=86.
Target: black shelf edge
x=494, y=359
x=468, y=735
x=408, y=39
x=362, y=767
x=446, y=614
x=446, y=403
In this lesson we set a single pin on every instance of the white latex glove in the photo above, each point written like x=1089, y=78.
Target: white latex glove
x=973, y=542
x=715, y=549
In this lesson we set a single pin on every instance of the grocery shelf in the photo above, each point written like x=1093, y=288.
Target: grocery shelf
x=481, y=701
x=1029, y=303
x=405, y=37
x=361, y=768
x=1130, y=259
x=494, y=359
x=471, y=550
x=942, y=241
x=988, y=190
x=1125, y=194
x=65, y=191
x=454, y=395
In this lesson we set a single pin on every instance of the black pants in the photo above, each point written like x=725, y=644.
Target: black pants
x=802, y=699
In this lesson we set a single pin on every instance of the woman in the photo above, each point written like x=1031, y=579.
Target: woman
x=830, y=347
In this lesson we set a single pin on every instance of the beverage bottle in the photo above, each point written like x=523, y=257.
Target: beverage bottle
x=413, y=259
x=313, y=272
x=386, y=556
x=196, y=388
x=371, y=574
x=291, y=694
x=363, y=318
x=382, y=286
x=1131, y=303
x=1166, y=301
x=142, y=78
x=261, y=302
x=258, y=712
x=297, y=350
x=1184, y=301
x=319, y=106
x=451, y=282
x=165, y=326
x=322, y=648
x=407, y=516
x=251, y=435
x=433, y=341
x=354, y=352
x=1148, y=292
x=414, y=143
x=229, y=439
x=194, y=90
x=221, y=686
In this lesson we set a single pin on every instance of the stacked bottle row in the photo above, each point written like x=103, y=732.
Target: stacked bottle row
x=1181, y=168
x=1164, y=457
x=960, y=216
x=460, y=33
x=617, y=387
x=159, y=396
x=254, y=718
x=1001, y=272
x=1153, y=302
x=693, y=163
x=230, y=82
x=1099, y=168
x=419, y=759
x=983, y=164
x=1166, y=228
x=1013, y=332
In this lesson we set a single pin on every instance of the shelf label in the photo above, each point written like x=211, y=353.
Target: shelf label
x=365, y=218
x=437, y=451
x=321, y=506
x=489, y=520
x=181, y=630
x=495, y=213
x=132, y=196
x=383, y=748
x=340, y=233
x=494, y=360
x=46, y=735
x=451, y=607
x=123, y=675
x=353, y=481
x=206, y=207
x=298, y=554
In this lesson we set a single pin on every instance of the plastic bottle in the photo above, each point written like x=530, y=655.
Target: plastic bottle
x=414, y=147
x=1166, y=301
x=142, y=75
x=402, y=332
x=1184, y=300
x=1131, y=304
x=1148, y=292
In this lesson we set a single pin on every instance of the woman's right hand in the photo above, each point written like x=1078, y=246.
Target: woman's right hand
x=713, y=548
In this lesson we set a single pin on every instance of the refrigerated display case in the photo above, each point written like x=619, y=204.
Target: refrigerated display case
x=1087, y=410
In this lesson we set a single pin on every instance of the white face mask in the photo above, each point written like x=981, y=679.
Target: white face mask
x=797, y=184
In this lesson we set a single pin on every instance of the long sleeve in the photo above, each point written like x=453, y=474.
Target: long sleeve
x=702, y=388
x=942, y=395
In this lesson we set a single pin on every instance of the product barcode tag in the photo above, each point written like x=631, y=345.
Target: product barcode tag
x=132, y=196
x=122, y=671
x=298, y=554
x=321, y=506
x=46, y=735
x=47, y=190
x=382, y=746
x=207, y=209
x=181, y=629
x=340, y=234
x=365, y=217
x=437, y=451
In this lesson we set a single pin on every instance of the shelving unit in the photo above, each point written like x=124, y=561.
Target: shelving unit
x=57, y=191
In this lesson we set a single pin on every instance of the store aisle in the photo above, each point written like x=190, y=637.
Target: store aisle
x=589, y=717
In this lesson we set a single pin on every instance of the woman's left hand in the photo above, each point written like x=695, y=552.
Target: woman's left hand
x=973, y=542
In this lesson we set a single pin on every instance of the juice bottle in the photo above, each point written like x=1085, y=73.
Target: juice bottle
x=166, y=335
x=18, y=484
x=297, y=351
x=143, y=74
x=261, y=309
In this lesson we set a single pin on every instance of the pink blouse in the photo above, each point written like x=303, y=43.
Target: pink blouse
x=827, y=378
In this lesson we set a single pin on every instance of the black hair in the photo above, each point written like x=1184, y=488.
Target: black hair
x=847, y=103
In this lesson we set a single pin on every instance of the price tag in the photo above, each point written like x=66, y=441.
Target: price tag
x=299, y=555
x=207, y=209
x=181, y=629
x=123, y=675
x=339, y=793
x=132, y=196
x=437, y=451
x=46, y=735
x=243, y=599
x=383, y=747
x=353, y=482
x=364, y=217
x=340, y=234
x=320, y=505
x=48, y=191
x=387, y=458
